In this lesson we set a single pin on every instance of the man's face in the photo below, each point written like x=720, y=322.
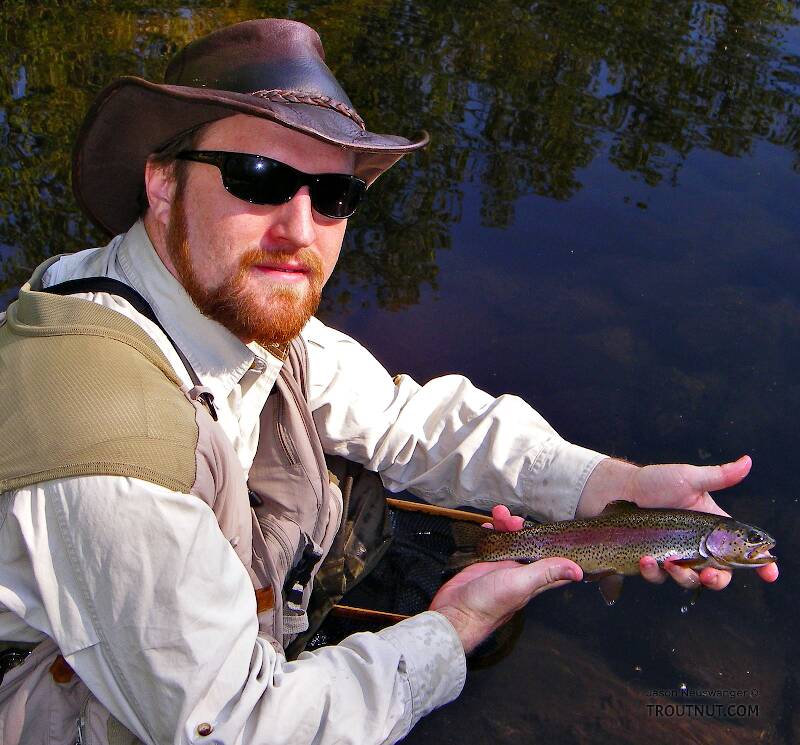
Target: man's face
x=257, y=270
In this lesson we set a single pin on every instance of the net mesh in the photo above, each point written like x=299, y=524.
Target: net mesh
x=404, y=581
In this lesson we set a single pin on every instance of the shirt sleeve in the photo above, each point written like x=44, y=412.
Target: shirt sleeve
x=446, y=441
x=149, y=604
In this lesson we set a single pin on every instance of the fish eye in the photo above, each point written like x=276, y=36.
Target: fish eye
x=754, y=537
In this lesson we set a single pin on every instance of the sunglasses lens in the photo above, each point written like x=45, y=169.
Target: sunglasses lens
x=259, y=180
x=336, y=195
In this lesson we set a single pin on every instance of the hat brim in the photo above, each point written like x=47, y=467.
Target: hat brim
x=133, y=118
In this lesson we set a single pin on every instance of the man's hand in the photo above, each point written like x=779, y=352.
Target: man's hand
x=484, y=596
x=673, y=486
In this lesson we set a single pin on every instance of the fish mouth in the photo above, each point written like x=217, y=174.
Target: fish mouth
x=761, y=554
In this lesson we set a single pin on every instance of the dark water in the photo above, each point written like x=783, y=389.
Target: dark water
x=605, y=224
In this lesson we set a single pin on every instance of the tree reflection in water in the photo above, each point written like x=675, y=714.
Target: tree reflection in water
x=518, y=100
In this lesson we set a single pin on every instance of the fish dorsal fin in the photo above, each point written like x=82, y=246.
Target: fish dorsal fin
x=619, y=505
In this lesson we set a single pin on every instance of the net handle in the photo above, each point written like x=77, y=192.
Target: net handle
x=429, y=509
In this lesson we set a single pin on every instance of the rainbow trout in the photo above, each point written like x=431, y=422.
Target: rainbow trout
x=609, y=546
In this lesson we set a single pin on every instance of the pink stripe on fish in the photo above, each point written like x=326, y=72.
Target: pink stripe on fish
x=617, y=536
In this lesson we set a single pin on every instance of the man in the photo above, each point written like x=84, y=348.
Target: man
x=165, y=502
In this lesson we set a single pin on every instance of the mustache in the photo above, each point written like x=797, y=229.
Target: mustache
x=307, y=259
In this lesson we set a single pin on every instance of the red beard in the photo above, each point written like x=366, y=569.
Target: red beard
x=272, y=319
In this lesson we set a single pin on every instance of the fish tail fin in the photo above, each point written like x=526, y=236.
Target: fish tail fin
x=466, y=536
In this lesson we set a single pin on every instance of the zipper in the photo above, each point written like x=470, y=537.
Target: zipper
x=81, y=736
x=283, y=438
x=287, y=444
x=302, y=413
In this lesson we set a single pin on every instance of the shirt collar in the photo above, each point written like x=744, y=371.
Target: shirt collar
x=218, y=357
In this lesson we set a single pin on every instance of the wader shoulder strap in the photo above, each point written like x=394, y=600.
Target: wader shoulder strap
x=109, y=285
x=126, y=292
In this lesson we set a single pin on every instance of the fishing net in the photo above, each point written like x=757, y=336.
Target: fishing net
x=384, y=559
x=404, y=581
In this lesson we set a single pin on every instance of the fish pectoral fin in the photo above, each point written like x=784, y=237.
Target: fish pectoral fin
x=611, y=588
x=619, y=505
x=610, y=583
x=599, y=574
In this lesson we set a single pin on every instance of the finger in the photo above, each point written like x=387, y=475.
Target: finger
x=707, y=504
x=526, y=581
x=714, y=478
x=500, y=512
x=715, y=579
x=483, y=567
x=768, y=573
x=503, y=519
x=487, y=592
x=514, y=523
x=650, y=570
x=685, y=577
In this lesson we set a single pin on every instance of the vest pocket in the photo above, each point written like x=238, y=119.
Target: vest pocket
x=275, y=545
x=294, y=556
x=96, y=726
x=284, y=546
x=295, y=618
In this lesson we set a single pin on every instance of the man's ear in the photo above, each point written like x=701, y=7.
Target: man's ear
x=159, y=183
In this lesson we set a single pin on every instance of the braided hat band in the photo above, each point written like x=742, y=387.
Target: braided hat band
x=286, y=96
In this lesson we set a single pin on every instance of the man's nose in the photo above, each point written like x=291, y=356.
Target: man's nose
x=293, y=223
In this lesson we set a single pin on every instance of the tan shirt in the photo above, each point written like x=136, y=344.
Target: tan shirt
x=149, y=603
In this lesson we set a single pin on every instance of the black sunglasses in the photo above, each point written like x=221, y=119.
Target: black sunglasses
x=261, y=180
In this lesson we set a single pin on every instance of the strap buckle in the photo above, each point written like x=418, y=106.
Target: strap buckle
x=300, y=575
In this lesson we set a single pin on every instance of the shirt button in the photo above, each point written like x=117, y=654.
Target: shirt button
x=204, y=729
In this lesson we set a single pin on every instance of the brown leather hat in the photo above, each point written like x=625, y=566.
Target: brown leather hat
x=270, y=68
